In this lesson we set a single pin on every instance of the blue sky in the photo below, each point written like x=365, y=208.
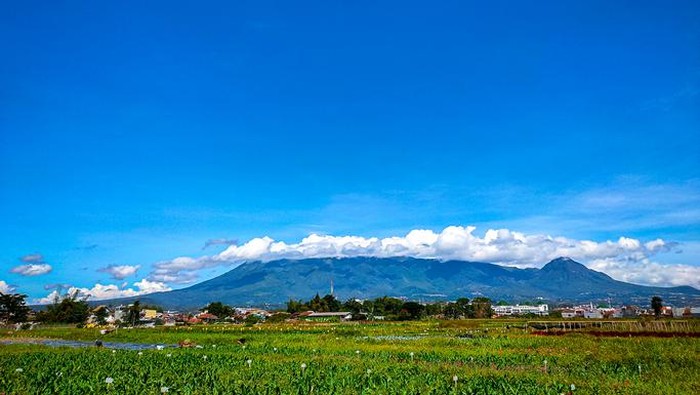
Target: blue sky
x=131, y=134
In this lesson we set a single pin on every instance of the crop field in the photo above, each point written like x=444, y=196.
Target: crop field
x=430, y=357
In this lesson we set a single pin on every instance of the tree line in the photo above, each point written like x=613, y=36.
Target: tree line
x=394, y=308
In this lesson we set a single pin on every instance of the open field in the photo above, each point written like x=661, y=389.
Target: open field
x=485, y=356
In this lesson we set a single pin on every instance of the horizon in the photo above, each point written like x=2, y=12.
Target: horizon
x=149, y=147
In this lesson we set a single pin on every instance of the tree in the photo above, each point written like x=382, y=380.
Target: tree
x=219, y=309
x=133, y=315
x=657, y=304
x=318, y=304
x=69, y=309
x=353, y=305
x=412, y=311
x=296, y=306
x=13, y=308
x=332, y=303
x=482, y=307
x=433, y=309
x=464, y=308
x=101, y=315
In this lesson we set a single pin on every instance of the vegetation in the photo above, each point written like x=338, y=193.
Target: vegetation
x=417, y=357
x=396, y=309
x=69, y=309
x=219, y=309
x=657, y=304
x=13, y=308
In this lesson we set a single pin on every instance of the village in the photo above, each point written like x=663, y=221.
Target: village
x=150, y=317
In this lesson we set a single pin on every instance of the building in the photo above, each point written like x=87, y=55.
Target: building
x=542, y=309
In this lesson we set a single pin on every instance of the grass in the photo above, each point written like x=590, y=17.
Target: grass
x=384, y=358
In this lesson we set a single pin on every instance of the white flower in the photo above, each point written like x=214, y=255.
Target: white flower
x=164, y=390
x=140, y=353
x=204, y=357
x=19, y=370
x=114, y=351
x=109, y=380
x=357, y=352
x=249, y=362
x=369, y=371
x=168, y=355
x=274, y=349
x=573, y=387
x=214, y=346
x=455, y=378
x=159, y=347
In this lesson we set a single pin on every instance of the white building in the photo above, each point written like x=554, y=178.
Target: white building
x=542, y=309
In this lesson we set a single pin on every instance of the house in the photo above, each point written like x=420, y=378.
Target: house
x=207, y=318
x=686, y=312
x=594, y=313
x=148, y=314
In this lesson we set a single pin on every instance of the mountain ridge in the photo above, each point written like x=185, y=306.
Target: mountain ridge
x=273, y=283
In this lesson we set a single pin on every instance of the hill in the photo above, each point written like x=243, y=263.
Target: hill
x=275, y=282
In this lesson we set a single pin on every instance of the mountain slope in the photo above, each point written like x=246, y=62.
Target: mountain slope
x=275, y=282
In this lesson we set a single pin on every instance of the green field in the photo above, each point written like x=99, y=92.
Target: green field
x=349, y=358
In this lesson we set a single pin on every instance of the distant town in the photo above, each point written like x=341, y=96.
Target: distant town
x=74, y=310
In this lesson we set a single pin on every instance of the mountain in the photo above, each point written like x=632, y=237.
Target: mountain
x=274, y=283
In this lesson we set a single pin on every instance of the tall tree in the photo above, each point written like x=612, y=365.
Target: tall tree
x=412, y=311
x=13, y=308
x=134, y=313
x=296, y=306
x=657, y=304
x=70, y=309
x=482, y=307
x=101, y=315
x=332, y=303
x=219, y=309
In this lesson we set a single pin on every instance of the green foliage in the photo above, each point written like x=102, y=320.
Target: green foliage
x=419, y=357
x=482, y=307
x=296, y=306
x=133, y=314
x=70, y=309
x=657, y=304
x=13, y=308
x=219, y=309
x=101, y=315
x=277, y=318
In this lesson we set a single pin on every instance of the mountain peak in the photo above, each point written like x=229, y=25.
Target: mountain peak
x=564, y=263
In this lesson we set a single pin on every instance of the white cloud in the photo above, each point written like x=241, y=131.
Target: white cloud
x=32, y=258
x=109, y=291
x=625, y=259
x=32, y=269
x=120, y=272
x=6, y=288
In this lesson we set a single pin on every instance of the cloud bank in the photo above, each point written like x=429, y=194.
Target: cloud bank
x=625, y=259
x=32, y=269
x=6, y=288
x=109, y=291
x=120, y=272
